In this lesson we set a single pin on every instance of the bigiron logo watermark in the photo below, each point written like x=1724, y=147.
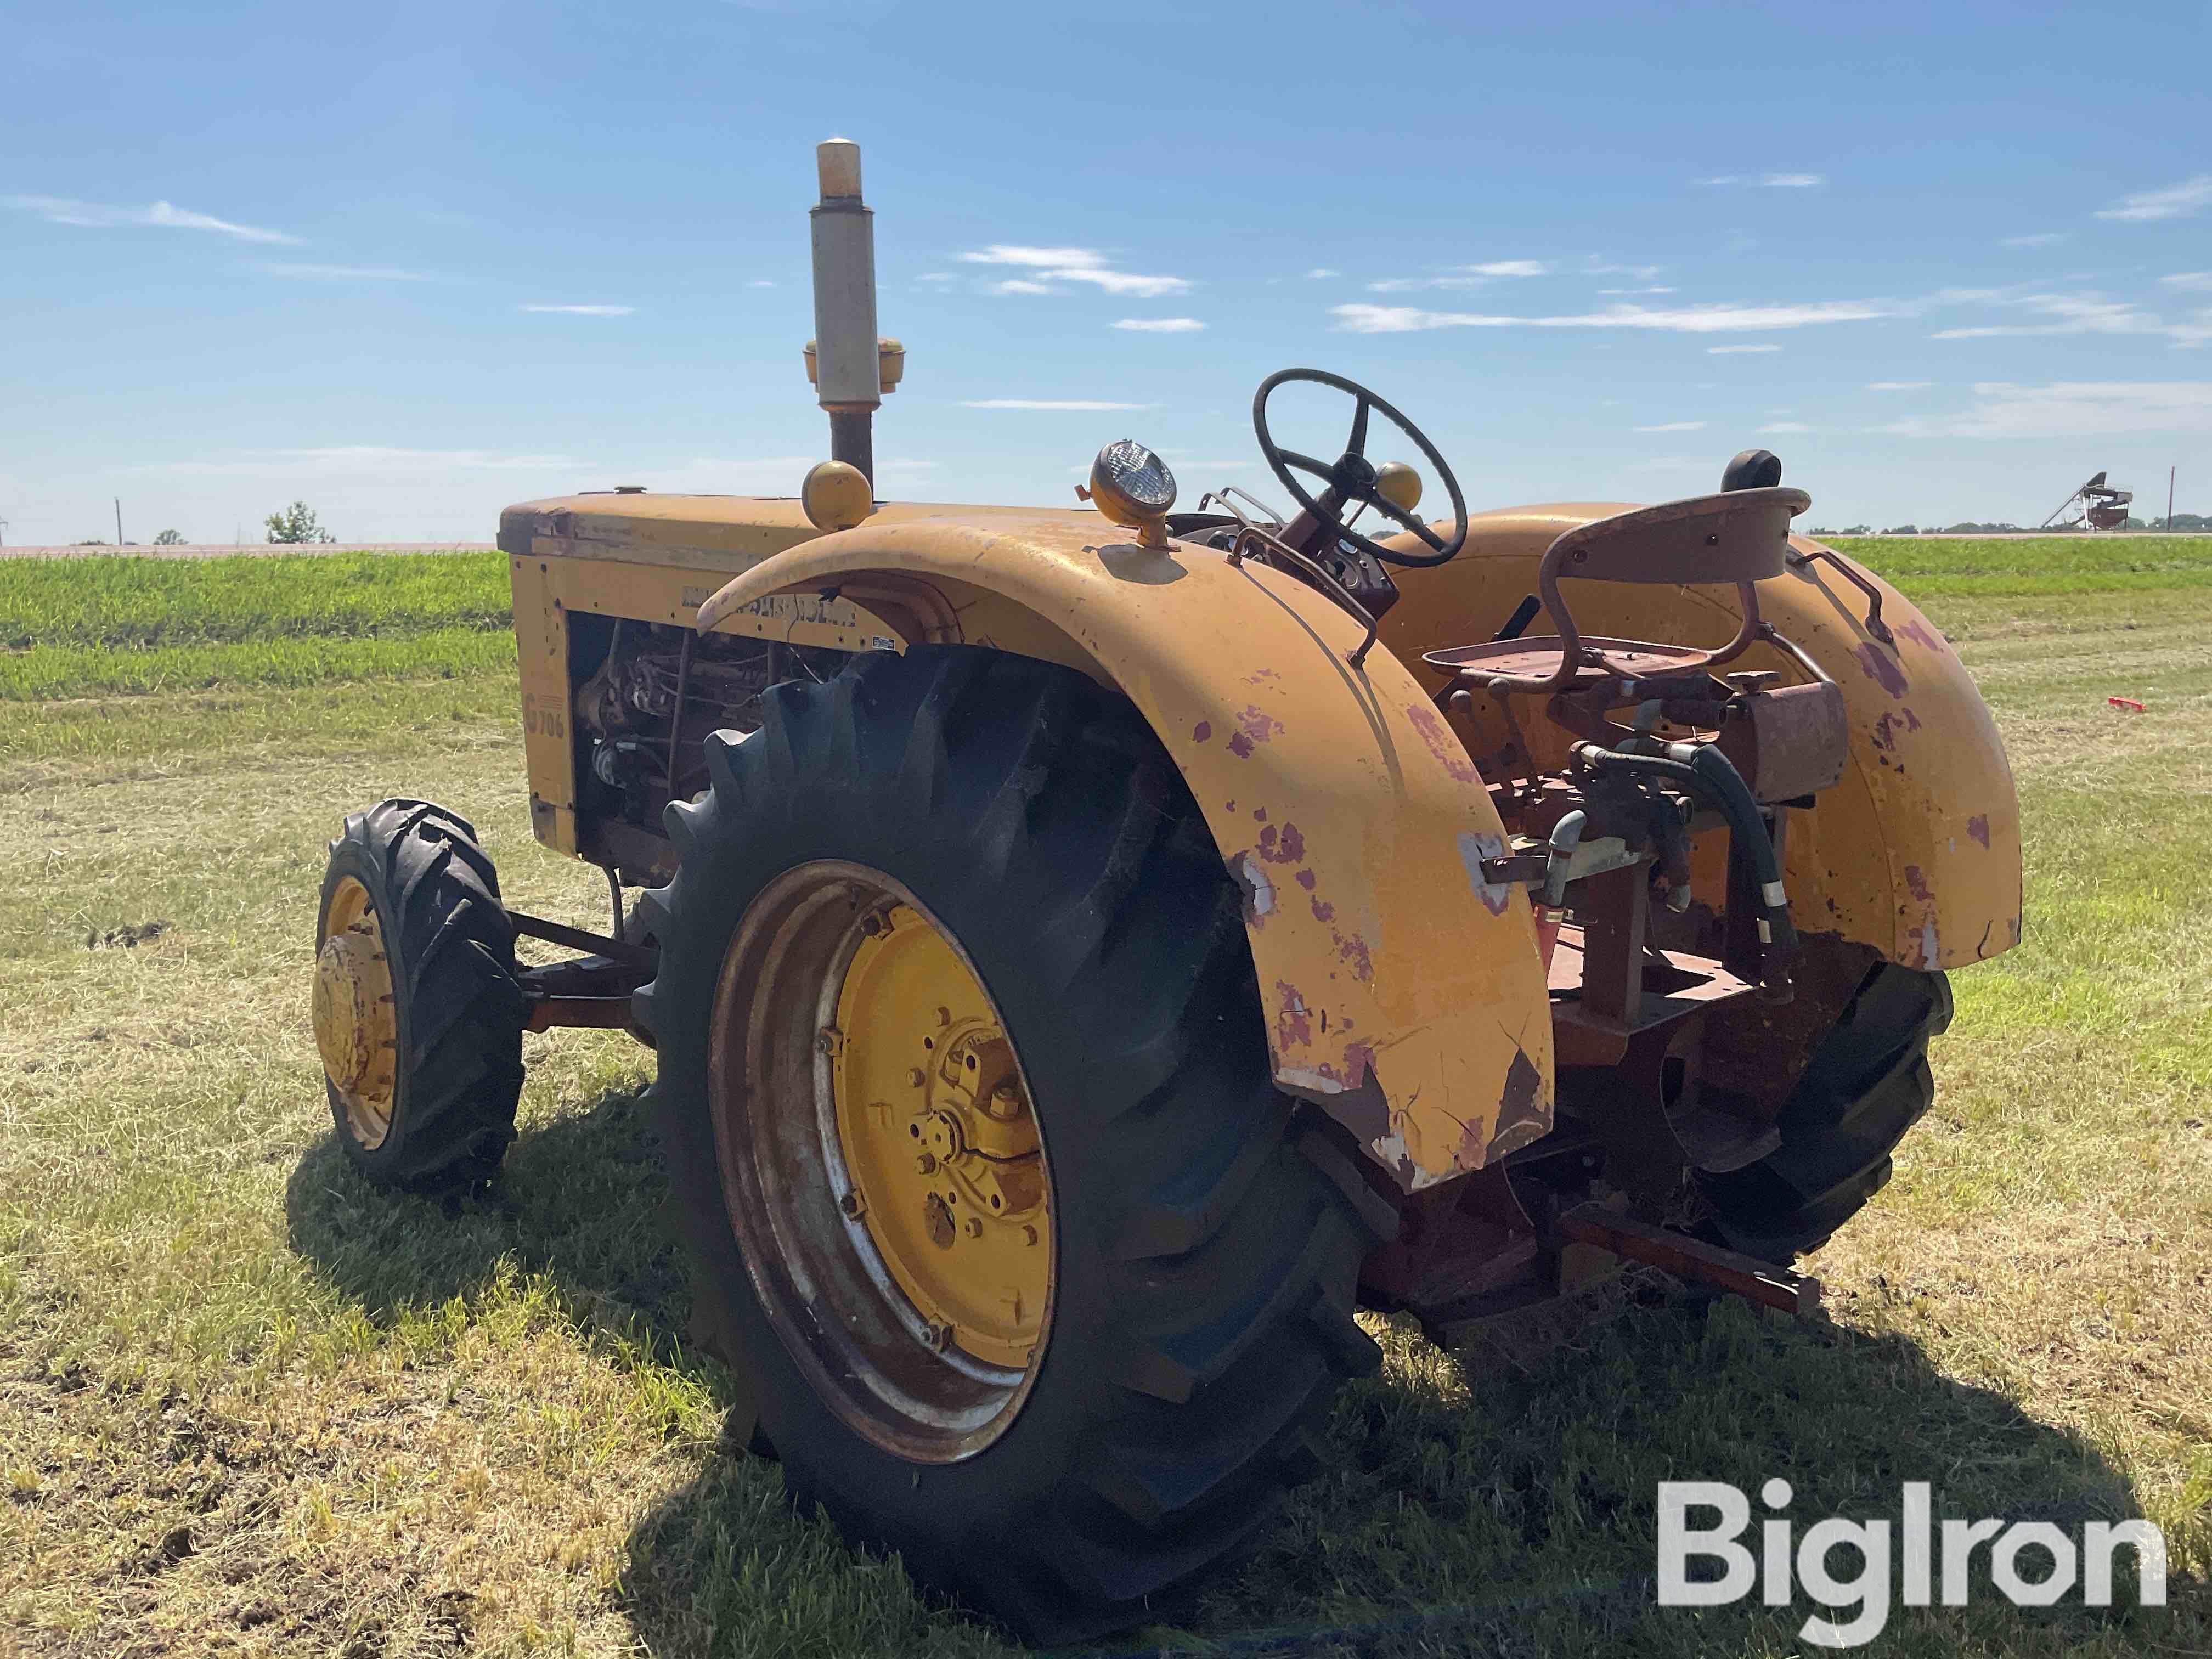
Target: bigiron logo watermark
x=1932, y=1561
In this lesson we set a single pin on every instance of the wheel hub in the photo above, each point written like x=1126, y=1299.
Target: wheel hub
x=938, y=1137
x=356, y=1026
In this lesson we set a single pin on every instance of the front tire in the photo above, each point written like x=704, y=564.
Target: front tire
x=418, y=1011
x=1202, y=1263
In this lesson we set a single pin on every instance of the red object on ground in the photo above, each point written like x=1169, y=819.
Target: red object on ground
x=2125, y=703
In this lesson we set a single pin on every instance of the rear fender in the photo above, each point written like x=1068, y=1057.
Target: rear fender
x=1402, y=993
x=1916, y=851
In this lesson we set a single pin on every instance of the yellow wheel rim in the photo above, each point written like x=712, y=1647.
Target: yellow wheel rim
x=937, y=1134
x=357, y=1013
x=881, y=1162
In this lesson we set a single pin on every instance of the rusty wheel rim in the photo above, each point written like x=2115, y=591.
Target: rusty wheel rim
x=868, y=1108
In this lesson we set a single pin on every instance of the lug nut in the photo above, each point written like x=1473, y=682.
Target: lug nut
x=853, y=1206
x=916, y=1077
x=926, y=1164
x=975, y=1226
x=943, y=1016
x=1028, y=1234
x=826, y=1040
x=938, y=1335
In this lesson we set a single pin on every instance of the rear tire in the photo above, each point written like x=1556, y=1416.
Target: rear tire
x=1200, y=1313
x=1868, y=1083
x=457, y=1010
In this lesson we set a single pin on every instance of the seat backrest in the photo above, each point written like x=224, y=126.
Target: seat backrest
x=1738, y=536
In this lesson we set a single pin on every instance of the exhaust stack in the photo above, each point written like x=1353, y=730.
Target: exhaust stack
x=850, y=366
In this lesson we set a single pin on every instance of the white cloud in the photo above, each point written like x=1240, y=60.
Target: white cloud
x=360, y=273
x=2191, y=281
x=2079, y=410
x=1594, y=266
x=1686, y=319
x=2175, y=202
x=61, y=210
x=1605, y=291
x=1897, y=386
x=584, y=311
x=1320, y=271
x=1737, y=350
x=1071, y=264
x=1675, y=426
x=1769, y=181
x=1123, y=282
x=1074, y=405
x=1508, y=268
x=934, y=276
x=1784, y=427
x=2038, y=239
x=760, y=282
x=2079, y=313
x=1003, y=253
x=1161, y=324
x=1020, y=285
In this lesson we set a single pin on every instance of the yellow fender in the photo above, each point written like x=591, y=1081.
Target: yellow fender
x=1402, y=993
x=1916, y=851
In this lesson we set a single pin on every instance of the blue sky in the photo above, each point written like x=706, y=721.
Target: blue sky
x=411, y=263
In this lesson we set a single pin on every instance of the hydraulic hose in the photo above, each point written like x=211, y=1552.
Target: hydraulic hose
x=1704, y=770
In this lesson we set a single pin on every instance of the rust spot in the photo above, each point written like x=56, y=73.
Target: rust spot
x=1911, y=720
x=1306, y=877
x=1884, y=738
x=1353, y=949
x=1978, y=828
x=1445, y=746
x=1359, y=1060
x=1880, y=669
x=1254, y=726
x=1260, y=676
x=1201, y=732
x=1287, y=847
x=1323, y=911
x=1259, y=814
x=1918, y=883
x=1918, y=634
x=1293, y=1023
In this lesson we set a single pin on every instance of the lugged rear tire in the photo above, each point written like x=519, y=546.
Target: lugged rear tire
x=458, y=1007
x=1868, y=1083
x=1205, y=1260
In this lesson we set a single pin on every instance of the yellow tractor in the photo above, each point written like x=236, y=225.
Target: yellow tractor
x=1090, y=952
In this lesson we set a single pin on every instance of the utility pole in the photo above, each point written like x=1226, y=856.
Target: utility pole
x=2169, y=500
x=119, y=520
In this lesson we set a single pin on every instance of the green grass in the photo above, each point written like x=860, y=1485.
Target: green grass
x=248, y=1404
x=72, y=628
x=1932, y=568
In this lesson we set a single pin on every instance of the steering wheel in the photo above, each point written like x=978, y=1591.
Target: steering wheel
x=1350, y=477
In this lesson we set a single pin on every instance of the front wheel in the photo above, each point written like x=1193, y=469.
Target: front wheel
x=966, y=1098
x=418, y=1013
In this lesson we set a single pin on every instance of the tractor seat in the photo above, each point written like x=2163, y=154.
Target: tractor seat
x=1737, y=537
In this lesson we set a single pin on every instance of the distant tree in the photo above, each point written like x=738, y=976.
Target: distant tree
x=297, y=523
x=1854, y=530
x=89, y=541
x=170, y=538
x=1902, y=529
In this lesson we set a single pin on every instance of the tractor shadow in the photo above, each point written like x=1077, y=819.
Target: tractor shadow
x=1498, y=1498
x=578, y=1204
